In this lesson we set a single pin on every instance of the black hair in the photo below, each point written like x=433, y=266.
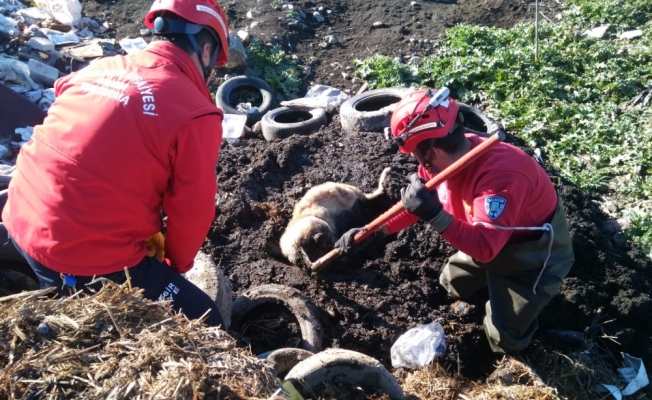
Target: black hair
x=181, y=40
x=450, y=144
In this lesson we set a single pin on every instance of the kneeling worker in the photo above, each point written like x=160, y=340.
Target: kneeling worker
x=127, y=137
x=501, y=212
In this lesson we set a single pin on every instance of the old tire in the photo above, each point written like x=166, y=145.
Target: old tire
x=223, y=94
x=370, y=111
x=284, y=122
x=208, y=277
x=344, y=366
x=283, y=360
x=300, y=306
x=476, y=121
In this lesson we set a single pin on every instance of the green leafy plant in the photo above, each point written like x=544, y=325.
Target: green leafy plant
x=574, y=103
x=293, y=14
x=275, y=67
x=383, y=71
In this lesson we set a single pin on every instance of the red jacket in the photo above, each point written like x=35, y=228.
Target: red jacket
x=504, y=187
x=126, y=136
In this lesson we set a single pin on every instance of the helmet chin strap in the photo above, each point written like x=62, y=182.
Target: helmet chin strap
x=423, y=161
x=164, y=26
x=207, y=69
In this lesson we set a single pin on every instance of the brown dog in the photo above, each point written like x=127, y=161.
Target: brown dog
x=323, y=214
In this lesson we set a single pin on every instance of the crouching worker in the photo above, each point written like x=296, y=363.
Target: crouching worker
x=127, y=137
x=501, y=212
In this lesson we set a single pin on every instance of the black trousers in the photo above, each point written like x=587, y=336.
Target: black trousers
x=159, y=282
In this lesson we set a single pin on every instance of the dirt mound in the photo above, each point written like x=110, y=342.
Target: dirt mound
x=370, y=299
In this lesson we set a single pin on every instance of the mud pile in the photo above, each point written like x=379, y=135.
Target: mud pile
x=368, y=300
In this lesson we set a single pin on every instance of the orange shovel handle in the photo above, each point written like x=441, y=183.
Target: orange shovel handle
x=443, y=176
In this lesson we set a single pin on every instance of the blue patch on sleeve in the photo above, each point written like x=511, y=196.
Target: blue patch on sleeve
x=494, y=206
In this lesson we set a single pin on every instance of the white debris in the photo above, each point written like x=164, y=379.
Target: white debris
x=40, y=44
x=32, y=15
x=8, y=25
x=318, y=17
x=132, y=45
x=68, y=12
x=250, y=15
x=633, y=373
x=631, y=34
x=247, y=108
x=25, y=133
x=59, y=38
x=34, y=30
x=254, y=24
x=43, y=72
x=12, y=5
x=47, y=99
x=414, y=60
x=86, y=33
x=22, y=73
x=326, y=97
x=330, y=39
x=244, y=36
x=597, y=32
x=233, y=127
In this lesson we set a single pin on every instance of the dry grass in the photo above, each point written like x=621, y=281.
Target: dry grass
x=116, y=344
x=512, y=380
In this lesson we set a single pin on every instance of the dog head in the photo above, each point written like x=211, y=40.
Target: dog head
x=310, y=234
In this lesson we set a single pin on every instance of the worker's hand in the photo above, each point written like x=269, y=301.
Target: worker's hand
x=419, y=201
x=346, y=245
x=156, y=246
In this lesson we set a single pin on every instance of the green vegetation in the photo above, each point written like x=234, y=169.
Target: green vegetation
x=275, y=67
x=575, y=103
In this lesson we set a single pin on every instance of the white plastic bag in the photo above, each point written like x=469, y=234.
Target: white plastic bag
x=419, y=346
x=326, y=97
x=68, y=12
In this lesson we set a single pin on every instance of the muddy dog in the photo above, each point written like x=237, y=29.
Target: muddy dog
x=323, y=214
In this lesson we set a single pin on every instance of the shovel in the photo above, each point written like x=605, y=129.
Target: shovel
x=443, y=176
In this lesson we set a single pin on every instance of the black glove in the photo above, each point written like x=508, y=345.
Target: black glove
x=419, y=201
x=345, y=243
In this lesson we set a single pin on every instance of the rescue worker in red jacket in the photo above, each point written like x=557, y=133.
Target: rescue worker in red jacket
x=127, y=137
x=501, y=212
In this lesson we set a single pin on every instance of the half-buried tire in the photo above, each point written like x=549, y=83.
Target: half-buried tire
x=302, y=309
x=284, y=122
x=476, y=121
x=370, y=111
x=343, y=366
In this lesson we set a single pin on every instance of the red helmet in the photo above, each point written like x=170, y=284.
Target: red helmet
x=205, y=13
x=423, y=114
